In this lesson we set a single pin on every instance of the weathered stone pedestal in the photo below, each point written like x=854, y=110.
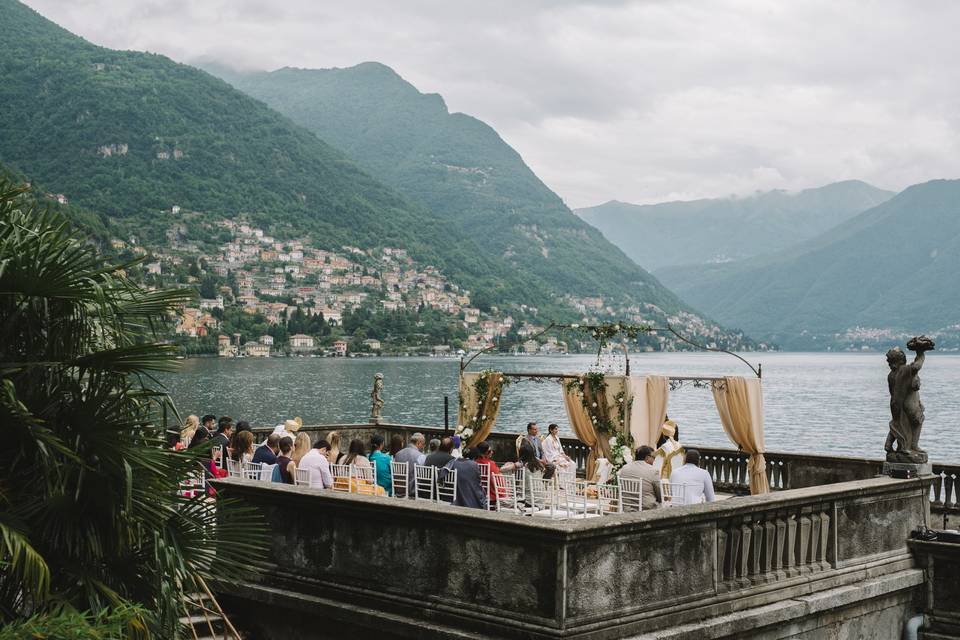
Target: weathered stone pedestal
x=902, y=468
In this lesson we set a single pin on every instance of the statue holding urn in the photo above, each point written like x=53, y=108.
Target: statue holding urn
x=906, y=410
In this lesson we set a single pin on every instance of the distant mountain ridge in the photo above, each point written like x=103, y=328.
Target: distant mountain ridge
x=706, y=231
x=460, y=169
x=893, y=266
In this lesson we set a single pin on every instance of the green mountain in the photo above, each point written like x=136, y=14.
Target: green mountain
x=892, y=267
x=129, y=135
x=459, y=168
x=720, y=230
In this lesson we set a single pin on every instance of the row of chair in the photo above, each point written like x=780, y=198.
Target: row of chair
x=562, y=496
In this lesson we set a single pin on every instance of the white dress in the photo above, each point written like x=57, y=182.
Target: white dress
x=553, y=452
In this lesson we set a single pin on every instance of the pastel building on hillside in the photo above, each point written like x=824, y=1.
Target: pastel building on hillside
x=301, y=342
x=340, y=348
x=256, y=350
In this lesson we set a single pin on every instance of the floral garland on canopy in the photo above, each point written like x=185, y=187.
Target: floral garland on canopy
x=592, y=388
x=478, y=413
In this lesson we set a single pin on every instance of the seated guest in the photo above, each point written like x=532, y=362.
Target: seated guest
x=396, y=444
x=382, y=462
x=267, y=452
x=442, y=455
x=187, y=431
x=209, y=424
x=285, y=464
x=553, y=449
x=334, y=455
x=242, y=448
x=642, y=469
x=433, y=447
x=301, y=445
x=698, y=485
x=411, y=455
x=316, y=461
x=357, y=455
x=484, y=453
x=243, y=425
x=469, y=490
x=223, y=436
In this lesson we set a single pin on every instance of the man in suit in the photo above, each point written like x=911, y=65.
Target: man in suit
x=642, y=469
x=411, y=454
x=267, y=452
x=534, y=439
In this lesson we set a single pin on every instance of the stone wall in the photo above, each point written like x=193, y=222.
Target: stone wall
x=820, y=558
x=941, y=560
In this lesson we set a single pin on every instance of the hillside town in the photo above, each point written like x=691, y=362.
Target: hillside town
x=261, y=296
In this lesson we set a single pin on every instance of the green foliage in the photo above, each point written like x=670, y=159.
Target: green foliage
x=118, y=623
x=90, y=514
x=460, y=169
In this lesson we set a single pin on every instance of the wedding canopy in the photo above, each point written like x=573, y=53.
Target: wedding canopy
x=608, y=412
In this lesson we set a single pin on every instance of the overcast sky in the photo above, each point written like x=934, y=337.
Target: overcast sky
x=637, y=101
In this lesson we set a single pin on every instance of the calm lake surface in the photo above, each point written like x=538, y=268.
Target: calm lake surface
x=814, y=402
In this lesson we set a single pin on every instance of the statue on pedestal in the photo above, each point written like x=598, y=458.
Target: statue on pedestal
x=377, y=400
x=906, y=410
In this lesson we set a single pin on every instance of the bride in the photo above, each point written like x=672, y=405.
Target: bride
x=553, y=449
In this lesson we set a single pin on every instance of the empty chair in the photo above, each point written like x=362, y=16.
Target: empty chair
x=363, y=480
x=608, y=499
x=506, y=488
x=398, y=479
x=544, y=499
x=251, y=470
x=302, y=477
x=447, y=487
x=425, y=481
x=631, y=498
x=521, y=486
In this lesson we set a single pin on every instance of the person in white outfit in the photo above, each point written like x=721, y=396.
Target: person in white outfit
x=690, y=484
x=553, y=449
x=316, y=461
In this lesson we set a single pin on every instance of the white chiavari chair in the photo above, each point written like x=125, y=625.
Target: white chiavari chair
x=631, y=493
x=341, y=477
x=425, y=481
x=234, y=468
x=544, y=498
x=193, y=485
x=485, y=482
x=447, y=486
x=674, y=494
x=520, y=475
x=608, y=499
x=302, y=477
x=363, y=480
x=251, y=470
x=399, y=479
x=266, y=472
x=506, y=488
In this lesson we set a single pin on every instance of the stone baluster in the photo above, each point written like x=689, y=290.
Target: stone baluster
x=790, y=547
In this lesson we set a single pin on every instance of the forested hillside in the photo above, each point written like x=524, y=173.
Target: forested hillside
x=460, y=169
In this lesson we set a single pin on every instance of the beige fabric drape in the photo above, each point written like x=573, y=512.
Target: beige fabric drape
x=650, y=396
x=583, y=428
x=740, y=404
x=473, y=415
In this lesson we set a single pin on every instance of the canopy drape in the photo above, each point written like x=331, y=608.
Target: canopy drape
x=740, y=405
x=477, y=415
x=649, y=408
x=584, y=429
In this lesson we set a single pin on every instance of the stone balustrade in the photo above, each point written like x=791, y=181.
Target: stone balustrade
x=832, y=558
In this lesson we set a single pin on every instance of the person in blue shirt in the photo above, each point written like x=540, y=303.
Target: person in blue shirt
x=382, y=462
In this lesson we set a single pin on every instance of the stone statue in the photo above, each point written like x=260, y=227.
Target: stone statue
x=377, y=400
x=906, y=410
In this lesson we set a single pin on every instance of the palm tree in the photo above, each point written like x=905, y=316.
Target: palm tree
x=90, y=518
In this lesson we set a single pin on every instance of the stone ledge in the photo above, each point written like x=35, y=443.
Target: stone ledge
x=794, y=609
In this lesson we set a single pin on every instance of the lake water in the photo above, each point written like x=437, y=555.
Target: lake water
x=814, y=403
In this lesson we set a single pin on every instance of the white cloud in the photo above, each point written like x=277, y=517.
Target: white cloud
x=639, y=101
